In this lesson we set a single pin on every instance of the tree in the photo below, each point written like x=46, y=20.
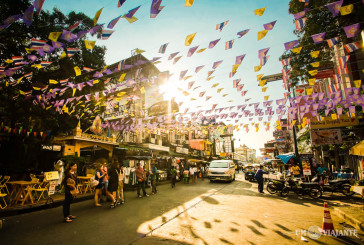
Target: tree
x=17, y=111
x=319, y=19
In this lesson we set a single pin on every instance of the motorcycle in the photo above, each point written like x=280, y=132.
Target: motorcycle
x=305, y=188
x=274, y=186
x=340, y=185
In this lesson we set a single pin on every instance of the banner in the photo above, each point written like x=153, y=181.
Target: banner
x=326, y=137
x=328, y=122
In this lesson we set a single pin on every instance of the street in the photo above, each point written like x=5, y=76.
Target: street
x=204, y=213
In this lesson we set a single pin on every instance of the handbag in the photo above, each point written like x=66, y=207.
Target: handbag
x=93, y=182
x=74, y=192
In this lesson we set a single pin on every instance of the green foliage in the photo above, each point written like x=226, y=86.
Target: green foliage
x=319, y=19
x=15, y=39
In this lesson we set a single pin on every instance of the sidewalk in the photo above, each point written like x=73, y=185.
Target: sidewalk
x=57, y=201
x=353, y=215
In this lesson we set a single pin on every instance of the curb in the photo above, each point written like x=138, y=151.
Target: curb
x=350, y=219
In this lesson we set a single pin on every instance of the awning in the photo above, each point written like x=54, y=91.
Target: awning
x=285, y=157
x=358, y=149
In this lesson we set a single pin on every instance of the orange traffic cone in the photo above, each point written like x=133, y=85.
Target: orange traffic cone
x=327, y=225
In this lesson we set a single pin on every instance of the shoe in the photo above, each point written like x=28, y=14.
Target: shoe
x=118, y=203
x=113, y=205
x=139, y=195
x=146, y=195
x=98, y=205
x=72, y=217
x=67, y=220
x=262, y=192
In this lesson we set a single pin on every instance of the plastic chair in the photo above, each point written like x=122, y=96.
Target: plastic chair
x=3, y=184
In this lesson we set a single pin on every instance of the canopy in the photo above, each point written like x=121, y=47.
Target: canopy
x=285, y=157
x=358, y=149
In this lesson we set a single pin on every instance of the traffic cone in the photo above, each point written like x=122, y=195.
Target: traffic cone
x=327, y=225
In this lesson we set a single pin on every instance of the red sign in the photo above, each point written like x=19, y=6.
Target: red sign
x=325, y=73
x=196, y=144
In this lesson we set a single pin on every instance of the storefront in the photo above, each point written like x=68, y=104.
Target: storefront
x=357, y=156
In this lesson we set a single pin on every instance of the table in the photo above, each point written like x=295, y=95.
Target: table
x=85, y=182
x=21, y=189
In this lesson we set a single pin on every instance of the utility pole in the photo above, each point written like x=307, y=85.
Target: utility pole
x=278, y=77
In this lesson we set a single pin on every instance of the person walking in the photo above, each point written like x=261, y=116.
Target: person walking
x=99, y=175
x=141, y=177
x=120, y=191
x=154, y=178
x=174, y=176
x=70, y=190
x=113, y=183
x=259, y=178
x=105, y=180
x=192, y=174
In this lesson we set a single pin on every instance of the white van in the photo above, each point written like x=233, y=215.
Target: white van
x=221, y=170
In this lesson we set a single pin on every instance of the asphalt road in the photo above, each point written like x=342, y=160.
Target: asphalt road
x=204, y=213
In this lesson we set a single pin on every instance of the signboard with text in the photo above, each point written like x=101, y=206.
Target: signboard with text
x=326, y=137
x=328, y=122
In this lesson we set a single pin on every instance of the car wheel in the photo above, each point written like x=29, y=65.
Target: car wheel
x=347, y=190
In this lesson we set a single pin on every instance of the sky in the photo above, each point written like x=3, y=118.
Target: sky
x=172, y=26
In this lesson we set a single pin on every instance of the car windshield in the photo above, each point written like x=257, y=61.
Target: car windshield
x=219, y=165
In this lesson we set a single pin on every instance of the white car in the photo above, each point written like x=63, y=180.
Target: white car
x=221, y=170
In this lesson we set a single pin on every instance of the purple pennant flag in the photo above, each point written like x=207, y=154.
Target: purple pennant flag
x=28, y=15
x=301, y=14
x=318, y=38
x=335, y=7
x=213, y=43
x=38, y=4
x=191, y=51
x=263, y=52
x=269, y=26
x=131, y=12
x=32, y=57
x=82, y=34
x=57, y=45
x=95, y=29
x=242, y=33
x=239, y=59
x=171, y=56
x=48, y=48
x=352, y=109
x=352, y=30
x=113, y=22
x=291, y=44
x=182, y=74
x=68, y=36
x=216, y=64
x=155, y=8
x=12, y=19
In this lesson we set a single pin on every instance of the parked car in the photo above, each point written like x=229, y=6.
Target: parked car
x=221, y=170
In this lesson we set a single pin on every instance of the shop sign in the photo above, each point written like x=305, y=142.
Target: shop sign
x=328, y=122
x=326, y=137
x=52, y=187
x=306, y=167
x=52, y=175
x=156, y=147
x=181, y=150
x=196, y=144
x=51, y=147
x=222, y=154
x=325, y=74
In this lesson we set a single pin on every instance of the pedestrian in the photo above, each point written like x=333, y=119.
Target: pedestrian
x=70, y=190
x=174, y=176
x=192, y=174
x=120, y=191
x=154, y=178
x=259, y=178
x=99, y=175
x=105, y=180
x=141, y=178
x=113, y=183
x=196, y=172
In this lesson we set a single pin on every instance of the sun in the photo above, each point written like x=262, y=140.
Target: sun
x=169, y=90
